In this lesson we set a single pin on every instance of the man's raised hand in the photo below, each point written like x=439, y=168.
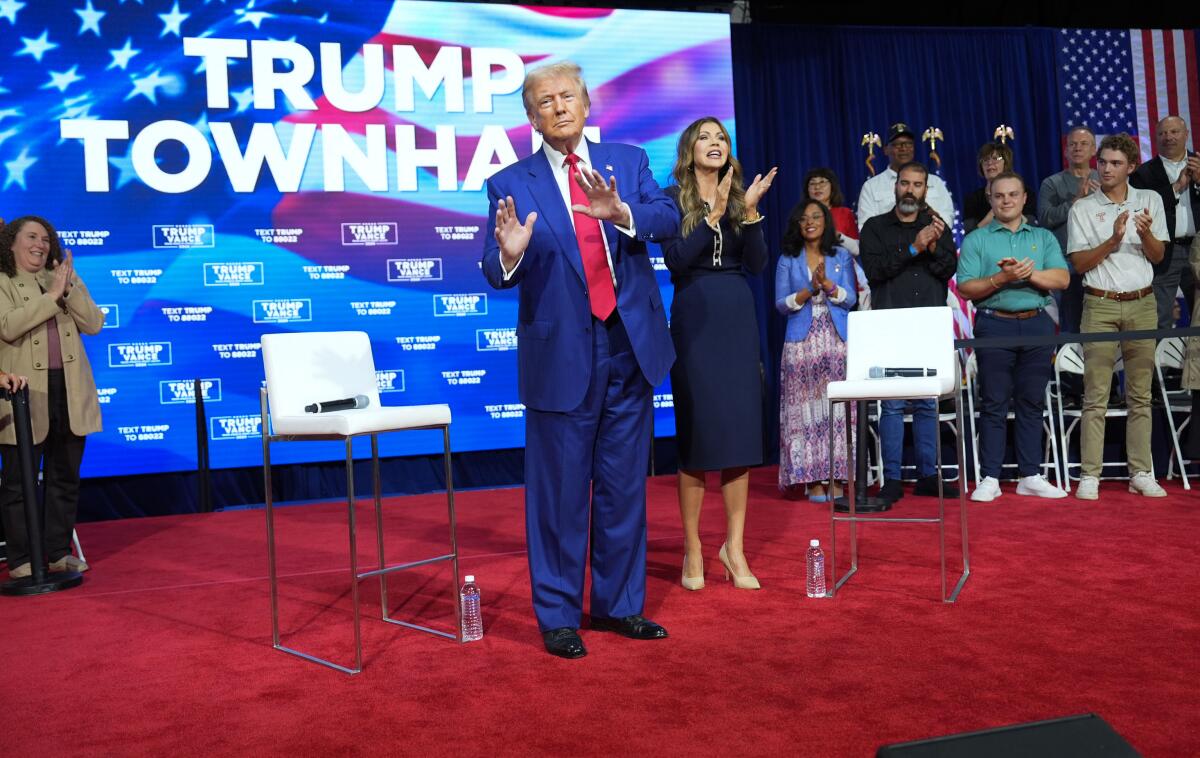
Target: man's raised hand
x=604, y=202
x=511, y=234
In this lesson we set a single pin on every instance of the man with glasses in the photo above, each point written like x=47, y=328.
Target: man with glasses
x=878, y=194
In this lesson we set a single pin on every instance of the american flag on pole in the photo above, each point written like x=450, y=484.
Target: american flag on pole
x=1126, y=80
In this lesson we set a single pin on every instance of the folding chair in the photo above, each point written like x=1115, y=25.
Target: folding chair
x=1171, y=353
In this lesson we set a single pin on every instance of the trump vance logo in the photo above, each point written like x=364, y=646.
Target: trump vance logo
x=249, y=273
x=124, y=354
x=183, y=235
x=172, y=392
x=496, y=339
x=370, y=233
x=472, y=304
x=282, y=311
x=234, y=427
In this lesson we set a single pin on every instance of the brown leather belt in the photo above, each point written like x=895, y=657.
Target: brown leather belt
x=1019, y=315
x=1119, y=296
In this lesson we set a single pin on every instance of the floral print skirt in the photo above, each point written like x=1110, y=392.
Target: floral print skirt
x=808, y=367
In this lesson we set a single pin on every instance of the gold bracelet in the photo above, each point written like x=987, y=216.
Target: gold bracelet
x=992, y=281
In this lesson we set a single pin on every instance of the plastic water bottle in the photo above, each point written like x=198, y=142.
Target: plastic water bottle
x=472, y=619
x=815, y=561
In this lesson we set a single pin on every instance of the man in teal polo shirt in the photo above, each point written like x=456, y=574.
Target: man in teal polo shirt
x=1008, y=268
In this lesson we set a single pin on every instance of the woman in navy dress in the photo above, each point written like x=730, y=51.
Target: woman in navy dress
x=717, y=376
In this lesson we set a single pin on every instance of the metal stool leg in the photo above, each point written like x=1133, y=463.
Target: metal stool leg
x=453, y=533
x=378, y=487
x=353, y=552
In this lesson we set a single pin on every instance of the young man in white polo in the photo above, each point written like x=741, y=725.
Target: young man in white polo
x=1114, y=237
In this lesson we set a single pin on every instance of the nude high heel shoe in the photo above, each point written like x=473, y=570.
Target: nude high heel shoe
x=692, y=583
x=748, y=582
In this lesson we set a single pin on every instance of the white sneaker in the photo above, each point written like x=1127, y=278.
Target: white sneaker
x=1037, y=486
x=987, y=490
x=1088, y=489
x=1143, y=484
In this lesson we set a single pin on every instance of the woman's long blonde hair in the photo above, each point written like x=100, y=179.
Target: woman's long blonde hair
x=689, y=191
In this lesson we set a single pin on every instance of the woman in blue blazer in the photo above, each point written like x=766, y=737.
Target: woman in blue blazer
x=815, y=289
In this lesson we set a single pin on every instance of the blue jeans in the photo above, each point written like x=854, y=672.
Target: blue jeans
x=925, y=436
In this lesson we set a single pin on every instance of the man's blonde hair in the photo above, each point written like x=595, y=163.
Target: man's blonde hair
x=565, y=69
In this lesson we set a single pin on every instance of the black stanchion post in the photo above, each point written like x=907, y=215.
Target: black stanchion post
x=202, y=472
x=40, y=581
x=862, y=501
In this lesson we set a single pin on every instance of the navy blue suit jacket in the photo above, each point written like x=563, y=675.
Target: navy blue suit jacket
x=554, y=321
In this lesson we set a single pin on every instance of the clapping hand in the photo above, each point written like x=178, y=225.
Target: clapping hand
x=1193, y=168
x=1087, y=186
x=757, y=189
x=1119, y=227
x=722, y=200
x=819, y=282
x=1142, y=223
x=511, y=235
x=604, y=202
x=61, y=284
x=927, y=238
x=1014, y=270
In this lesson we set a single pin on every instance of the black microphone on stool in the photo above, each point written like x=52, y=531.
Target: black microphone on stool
x=358, y=401
x=879, y=372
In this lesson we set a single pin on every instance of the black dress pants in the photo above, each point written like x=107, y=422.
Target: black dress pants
x=59, y=457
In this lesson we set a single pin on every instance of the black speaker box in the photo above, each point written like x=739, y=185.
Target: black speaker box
x=1084, y=736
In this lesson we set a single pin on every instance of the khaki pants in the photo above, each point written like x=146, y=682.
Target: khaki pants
x=1103, y=315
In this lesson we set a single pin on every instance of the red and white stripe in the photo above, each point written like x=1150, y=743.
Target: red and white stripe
x=1165, y=81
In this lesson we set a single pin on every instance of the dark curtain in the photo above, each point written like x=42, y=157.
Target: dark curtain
x=805, y=96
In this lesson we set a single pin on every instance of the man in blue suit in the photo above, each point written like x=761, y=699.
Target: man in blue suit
x=592, y=344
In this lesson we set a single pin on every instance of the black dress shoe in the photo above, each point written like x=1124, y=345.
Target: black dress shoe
x=564, y=642
x=634, y=627
x=928, y=487
x=891, y=491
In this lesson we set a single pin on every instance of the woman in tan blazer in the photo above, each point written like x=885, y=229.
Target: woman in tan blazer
x=44, y=307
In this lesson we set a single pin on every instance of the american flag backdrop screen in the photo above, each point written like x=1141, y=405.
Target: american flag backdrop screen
x=223, y=170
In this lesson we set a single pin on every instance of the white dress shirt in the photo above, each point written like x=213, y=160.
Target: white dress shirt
x=878, y=195
x=1185, y=225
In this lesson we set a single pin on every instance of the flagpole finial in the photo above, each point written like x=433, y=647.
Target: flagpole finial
x=1003, y=133
x=871, y=140
x=933, y=135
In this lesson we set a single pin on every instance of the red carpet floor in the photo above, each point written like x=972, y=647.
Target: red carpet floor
x=165, y=650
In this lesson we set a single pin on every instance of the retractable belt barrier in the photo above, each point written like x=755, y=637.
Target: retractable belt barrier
x=1066, y=339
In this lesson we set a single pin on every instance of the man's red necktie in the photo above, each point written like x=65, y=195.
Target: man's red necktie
x=591, y=248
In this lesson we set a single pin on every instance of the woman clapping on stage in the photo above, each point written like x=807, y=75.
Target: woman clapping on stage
x=717, y=377
x=44, y=307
